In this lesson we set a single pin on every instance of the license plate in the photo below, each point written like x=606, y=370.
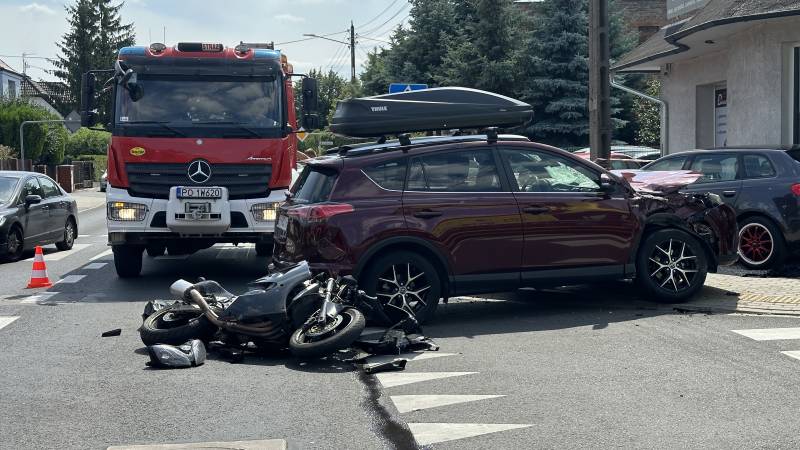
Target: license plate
x=283, y=222
x=199, y=192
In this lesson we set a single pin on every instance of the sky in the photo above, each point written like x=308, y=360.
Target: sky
x=33, y=27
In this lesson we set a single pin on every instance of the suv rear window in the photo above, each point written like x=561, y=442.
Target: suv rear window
x=314, y=185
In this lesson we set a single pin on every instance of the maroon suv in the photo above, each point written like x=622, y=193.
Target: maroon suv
x=448, y=216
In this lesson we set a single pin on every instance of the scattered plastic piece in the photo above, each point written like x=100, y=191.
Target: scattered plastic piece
x=192, y=353
x=114, y=332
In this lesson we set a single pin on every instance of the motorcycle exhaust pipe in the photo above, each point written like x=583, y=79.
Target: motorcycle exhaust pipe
x=212, y=316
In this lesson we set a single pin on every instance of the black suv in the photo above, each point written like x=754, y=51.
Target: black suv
x=762, y=184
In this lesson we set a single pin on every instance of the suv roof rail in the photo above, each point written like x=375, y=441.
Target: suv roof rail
x=405, y=142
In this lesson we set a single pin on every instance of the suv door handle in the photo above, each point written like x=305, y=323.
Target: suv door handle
x=729, y=193
x=536, y=210
x=427, y=214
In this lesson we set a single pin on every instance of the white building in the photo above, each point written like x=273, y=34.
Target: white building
x=730, y=72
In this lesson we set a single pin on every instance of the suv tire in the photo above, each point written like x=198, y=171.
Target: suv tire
x=378, y=280
x=671, y=266
x=128, y=260
x=761, y=244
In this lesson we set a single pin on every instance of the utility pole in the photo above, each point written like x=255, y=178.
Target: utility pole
x=599, y=89
x=352, y=53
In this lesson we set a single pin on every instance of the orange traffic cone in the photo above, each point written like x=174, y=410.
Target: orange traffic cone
x=39, y=274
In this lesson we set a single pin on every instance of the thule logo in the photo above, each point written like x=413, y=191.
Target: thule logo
x=379, y=108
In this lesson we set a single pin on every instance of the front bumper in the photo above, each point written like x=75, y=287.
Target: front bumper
x=243, y=227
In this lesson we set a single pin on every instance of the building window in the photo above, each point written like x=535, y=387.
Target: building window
x=12, y=89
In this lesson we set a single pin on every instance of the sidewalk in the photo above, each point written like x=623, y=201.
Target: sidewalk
x=748, y=294
x=89, y=198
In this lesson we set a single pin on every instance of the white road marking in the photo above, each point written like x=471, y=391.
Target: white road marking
x=101, y=255
x=84, y=235
x=432, y=433
x=58, y=255
x=392, y=379
x=37, y=298
x=71, y=279
x=6, y=320
x=793, y=354
x=408, y=403
x=770, y=334
x=415, y=356
x=94, y=266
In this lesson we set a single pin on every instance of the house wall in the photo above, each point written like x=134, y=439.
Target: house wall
x=4, y=77
x=38, y=101
x=752, y=66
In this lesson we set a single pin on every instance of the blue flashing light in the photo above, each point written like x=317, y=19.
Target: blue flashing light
x=263, y=53
x=132, y=51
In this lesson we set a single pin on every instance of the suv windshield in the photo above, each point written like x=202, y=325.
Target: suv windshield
x=233, y=102
x=7, y=186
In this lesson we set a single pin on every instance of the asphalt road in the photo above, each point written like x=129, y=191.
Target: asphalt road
x=536, y=369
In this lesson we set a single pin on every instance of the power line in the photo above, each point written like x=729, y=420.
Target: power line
x=400, y=11
x=388, y=29
x=379, y=14
x=26, y=57
x=373, y=39
x=310, y=38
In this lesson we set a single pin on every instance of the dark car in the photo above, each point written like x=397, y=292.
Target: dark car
x=762, y=184
x=441, y=217
x=34, y=210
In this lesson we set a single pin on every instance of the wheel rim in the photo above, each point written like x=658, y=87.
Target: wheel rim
x=69, y=233
x=14, y=242
x=321, y=331
x=756, y=244
x=405, y=286
x=673, y=265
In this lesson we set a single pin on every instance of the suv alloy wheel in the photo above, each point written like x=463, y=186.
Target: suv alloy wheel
x=671, y=266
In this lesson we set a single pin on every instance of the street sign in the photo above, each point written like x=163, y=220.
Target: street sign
x=73, y=121
x=394, y=88
x=301, y=134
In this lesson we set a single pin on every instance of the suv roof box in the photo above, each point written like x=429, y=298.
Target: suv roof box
x=428, y=110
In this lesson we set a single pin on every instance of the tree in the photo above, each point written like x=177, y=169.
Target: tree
x=648, y=116
x=481, y=54
x=39, y=146
x=331, y=86
x=95, y=34
x=77, y=47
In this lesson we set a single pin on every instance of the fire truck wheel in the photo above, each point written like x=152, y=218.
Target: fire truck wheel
x=128, y=260
x=264, y=249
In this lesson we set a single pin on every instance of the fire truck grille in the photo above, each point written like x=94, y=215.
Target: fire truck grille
x=153, y=180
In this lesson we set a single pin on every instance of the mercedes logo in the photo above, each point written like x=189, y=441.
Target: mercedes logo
x=199, y=171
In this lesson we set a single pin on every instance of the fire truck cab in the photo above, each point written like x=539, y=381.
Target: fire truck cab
x=202, y=149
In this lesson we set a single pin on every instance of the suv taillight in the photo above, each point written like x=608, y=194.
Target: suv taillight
x=317, y=213
x=796, y=189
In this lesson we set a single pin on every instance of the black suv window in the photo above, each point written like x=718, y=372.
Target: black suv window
x=389, y=175
x=462, y=171
x=49, y=188
x=716, y=167
x=757, y=166
x=674, y=163
x=538, y=171
x=314, y=185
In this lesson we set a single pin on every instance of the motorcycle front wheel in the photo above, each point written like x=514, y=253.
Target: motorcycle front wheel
x=175, y=326
x=335, y=335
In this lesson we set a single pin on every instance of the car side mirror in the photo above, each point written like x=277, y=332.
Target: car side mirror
x=607, y=183
x=32, y=200
x=310, y=119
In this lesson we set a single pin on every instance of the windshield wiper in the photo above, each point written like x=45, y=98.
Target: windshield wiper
x=239, y=125
x=160, y=123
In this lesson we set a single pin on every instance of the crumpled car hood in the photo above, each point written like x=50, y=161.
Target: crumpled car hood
x=658, y=182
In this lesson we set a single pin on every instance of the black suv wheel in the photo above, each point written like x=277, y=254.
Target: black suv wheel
x=404, y=277
x=671, y=266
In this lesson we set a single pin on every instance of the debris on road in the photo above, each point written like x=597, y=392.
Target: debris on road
x=114, y=332
x=190, y=354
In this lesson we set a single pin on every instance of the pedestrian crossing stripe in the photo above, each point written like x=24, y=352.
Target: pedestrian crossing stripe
x=770, y=334
x=408, y=403
x=392, y=379
x=6, y=321
x=434, y=433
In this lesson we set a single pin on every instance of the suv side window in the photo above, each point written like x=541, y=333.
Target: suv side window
x=539, y=171
x=49, y=188
x=675, y=163
x=716, y=167
x=389, y=175
x=31, y=188
x=461, y=171
x=757, y=166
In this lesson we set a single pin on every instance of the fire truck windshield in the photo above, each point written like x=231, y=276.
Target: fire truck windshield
x=211, y=104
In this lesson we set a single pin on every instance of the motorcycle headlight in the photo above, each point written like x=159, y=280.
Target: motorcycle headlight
x=264, y=212
x=126, y=212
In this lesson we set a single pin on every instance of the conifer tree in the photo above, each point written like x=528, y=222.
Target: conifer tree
x=77, y=47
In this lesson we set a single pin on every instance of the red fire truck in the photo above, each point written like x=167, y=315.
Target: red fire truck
x=203, y=146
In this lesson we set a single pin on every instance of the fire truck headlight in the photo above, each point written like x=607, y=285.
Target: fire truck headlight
x=264, y=212
x=126, y=212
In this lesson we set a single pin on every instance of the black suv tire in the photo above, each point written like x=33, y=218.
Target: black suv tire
x=128, y=260
x=419, y=267
x=671, y=266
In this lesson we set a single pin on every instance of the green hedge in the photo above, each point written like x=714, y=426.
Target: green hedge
x=88, y=142
x=44, y=143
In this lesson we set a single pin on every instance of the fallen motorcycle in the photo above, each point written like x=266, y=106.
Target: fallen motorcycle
x=313, y=316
